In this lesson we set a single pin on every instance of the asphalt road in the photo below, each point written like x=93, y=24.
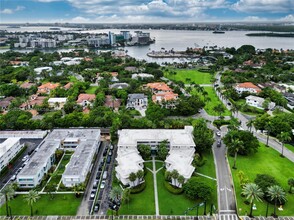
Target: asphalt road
x=226, y=196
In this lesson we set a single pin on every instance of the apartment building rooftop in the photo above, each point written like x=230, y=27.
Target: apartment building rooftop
x=7, y=144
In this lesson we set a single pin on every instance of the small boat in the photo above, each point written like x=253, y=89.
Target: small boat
x=218, y=32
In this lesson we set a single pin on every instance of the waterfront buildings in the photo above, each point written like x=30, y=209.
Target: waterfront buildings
x=8, y=150
x=181, y=151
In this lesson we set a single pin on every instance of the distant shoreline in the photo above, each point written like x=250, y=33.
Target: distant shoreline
x=270, y=34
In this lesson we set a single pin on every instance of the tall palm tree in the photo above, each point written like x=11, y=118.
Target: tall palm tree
x=174, y=177
x=236, y=145
x=132, y=177
x=291, y=184
x=276, y=193
x=115, y=194
x=284, y=137
x=181, y=180
x=249, y=124
x=126, y=196
x=252, y=192
x=8, y=192
x=140, y=175
x=31, y=198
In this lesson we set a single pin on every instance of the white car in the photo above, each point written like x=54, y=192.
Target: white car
x=102, y=185
x=25, y=158
x=13, y=178
x=218, y=133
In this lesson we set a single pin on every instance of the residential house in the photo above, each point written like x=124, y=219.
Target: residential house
x=163, y=93
x=47, y=87
x=119, y=86
x=137, y=101
x=290, y=98
x=68, y=86
x=258, y=102
x=114, y=76
x=132, y=69
x=247, y=87
x=39, y=70
x=86, y=99
x=142, y=76
x=112, y=102
x=159, y=87
x=33, y=101
x=27, y=85
x=57, y=103
x=5, y=103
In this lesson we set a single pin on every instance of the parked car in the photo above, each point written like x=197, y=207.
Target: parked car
x=95, y=184
x=219, y=143
x=111, y=147
x=25, y=158
x=96, y=207
x=100, y=166
x=98, y=175
x=102, y=185
x=105, y=152
x=92, y=196
x=13, y=178
x=104, y=177
x=110, y=153
x=108, y=159
x=218, y=133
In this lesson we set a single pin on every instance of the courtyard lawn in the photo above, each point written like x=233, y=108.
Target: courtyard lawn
x=208, y=168
x=91, y=89
x=189, y=76
x=265, y=161
x=141, y=203
x=61, y=204
x=171, y=204
x=211, y=101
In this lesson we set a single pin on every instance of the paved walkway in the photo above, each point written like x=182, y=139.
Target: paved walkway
x=155, y=187
x=200, y=174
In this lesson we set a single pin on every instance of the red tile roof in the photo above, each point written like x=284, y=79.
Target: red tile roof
x=88, y=97
x=160, y=86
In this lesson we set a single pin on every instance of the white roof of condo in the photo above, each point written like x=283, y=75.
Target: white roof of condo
x=176, y=137
x=24, y=134
x=40, y=158
x=7, y=144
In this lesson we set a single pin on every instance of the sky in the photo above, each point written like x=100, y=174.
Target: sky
x=145, y=11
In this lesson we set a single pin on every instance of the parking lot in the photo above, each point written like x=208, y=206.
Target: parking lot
x=95, y=199
x=17, y=165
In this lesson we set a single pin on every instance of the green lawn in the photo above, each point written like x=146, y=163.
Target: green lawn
x=91, y=89
x=189, y=76
x=62, y=204
x=290, y=147
x=141, y=203
x=208, y=168
x=211, y=101
x=171, y=204
x=265, y=161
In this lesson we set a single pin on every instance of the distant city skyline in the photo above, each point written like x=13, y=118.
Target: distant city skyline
x=145, y=11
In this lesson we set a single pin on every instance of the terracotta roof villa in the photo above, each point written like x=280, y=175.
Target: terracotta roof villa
x=35, y=100
x=47, y=87
x=247, y=87
x=158, y=87
x=86, y=99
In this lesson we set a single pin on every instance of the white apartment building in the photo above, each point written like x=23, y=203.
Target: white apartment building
x=181, y=150
x=84, y=142
x=8, y=150
x=32, y=174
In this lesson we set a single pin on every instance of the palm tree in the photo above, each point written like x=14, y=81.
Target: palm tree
x=132, y=177
x=249, y=124
x=140, y=175
x=291, y=184
x=236, y=145
x=115, y=194
x=8, y=192
x=252, y=192
x=126, y=196
x=276, y=193
x=284, y=137
x=174, y=177
x=31, y=198
x=181, y=180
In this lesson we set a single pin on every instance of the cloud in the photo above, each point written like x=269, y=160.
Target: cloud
x=12, y=11
x=254, y=19
x=270, y=6
x=288, y=18
x=80, y=19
